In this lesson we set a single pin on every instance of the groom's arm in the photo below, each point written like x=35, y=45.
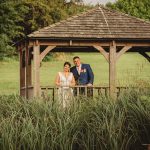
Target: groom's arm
x=90, y=74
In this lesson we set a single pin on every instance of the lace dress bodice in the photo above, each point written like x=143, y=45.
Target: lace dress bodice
x=65, y=81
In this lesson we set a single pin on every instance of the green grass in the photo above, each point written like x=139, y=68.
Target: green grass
x=131, y=68
x=9, y=76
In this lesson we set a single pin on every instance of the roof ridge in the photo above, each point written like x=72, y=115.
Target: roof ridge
x=105, y=20
x=125, y=14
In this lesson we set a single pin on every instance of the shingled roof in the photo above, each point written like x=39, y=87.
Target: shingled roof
x=98, y=23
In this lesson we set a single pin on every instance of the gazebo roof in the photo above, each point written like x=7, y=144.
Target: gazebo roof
x=98, y=23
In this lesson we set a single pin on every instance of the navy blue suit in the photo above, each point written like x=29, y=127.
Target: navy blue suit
x=86, y=74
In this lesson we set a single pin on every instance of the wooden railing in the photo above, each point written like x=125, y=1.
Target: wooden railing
x=97, y=90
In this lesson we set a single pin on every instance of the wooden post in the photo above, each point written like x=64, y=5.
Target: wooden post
x=29, y=73
x=30, y=67
x=36, y=61
x=26, y=63
x=22, y=71
x=112, y=70
x=29, y=93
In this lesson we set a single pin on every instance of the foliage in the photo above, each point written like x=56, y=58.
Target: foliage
x=35, y=15
x=8, y=27
x=20, y=18
x=5, y=48
x=135, y=8
x=85, y=124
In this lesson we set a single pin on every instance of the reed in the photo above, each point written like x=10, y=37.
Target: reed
x=87, y=124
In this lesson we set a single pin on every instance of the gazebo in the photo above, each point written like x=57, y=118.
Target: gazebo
x=100, y=29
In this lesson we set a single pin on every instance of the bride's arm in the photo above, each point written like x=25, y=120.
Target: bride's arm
x=73, y=81
x=57, y=80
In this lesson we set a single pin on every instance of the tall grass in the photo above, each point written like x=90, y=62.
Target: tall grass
x=98, y=124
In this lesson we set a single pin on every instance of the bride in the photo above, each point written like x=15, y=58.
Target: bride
x=64, y=80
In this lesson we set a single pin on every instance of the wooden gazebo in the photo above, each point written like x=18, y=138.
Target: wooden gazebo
x=110, y=32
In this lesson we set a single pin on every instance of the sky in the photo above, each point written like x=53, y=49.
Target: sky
x=98, y=1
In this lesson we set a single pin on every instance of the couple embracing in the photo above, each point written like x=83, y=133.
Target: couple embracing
x=80, y=74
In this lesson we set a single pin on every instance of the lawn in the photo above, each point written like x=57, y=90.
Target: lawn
x=131, y=68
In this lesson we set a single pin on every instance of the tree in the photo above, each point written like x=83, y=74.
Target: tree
x=8, y=27
x=137, y=8
x=35, y=15
x=18, y=18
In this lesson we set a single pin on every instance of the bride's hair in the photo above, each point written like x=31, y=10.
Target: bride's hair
x=67, y=63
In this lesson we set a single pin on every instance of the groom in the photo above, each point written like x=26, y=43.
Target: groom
x=83, y=75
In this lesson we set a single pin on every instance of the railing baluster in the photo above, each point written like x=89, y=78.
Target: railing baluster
x=77, y=91
x=46, y=91
x=118, y=92
x=86, y=91
x=105, y=91
x=53, y=90
x=98, y=92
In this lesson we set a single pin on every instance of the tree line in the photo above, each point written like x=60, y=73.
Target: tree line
x=18, y=18
x=137, y=8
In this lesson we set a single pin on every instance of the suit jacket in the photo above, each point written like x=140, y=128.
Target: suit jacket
x=86, y=74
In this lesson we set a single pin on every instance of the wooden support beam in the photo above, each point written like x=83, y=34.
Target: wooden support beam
x=71, y=43
x=145, y=55
x=90, y=43
x=122, y=51
x=30, y=66
x=28, y=63
x=22, y=70
x=46, y=51
x=27, y=69
x=112, y=70
x=36, y=61
x=102, y=51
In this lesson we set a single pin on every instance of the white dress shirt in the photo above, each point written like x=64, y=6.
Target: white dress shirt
x=79, y=69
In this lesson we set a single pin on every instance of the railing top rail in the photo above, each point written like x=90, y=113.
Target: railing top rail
x=95, y=87
x=77, y=86
x=24, y=87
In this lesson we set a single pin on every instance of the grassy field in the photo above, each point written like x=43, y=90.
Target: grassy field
x=131, y=68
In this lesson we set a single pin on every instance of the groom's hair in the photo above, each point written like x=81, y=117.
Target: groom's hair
x=76, y=57
x=67, y=63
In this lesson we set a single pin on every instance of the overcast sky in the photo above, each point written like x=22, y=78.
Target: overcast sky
x=97, y=1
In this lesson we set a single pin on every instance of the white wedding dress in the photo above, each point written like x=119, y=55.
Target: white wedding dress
x=65, y=93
